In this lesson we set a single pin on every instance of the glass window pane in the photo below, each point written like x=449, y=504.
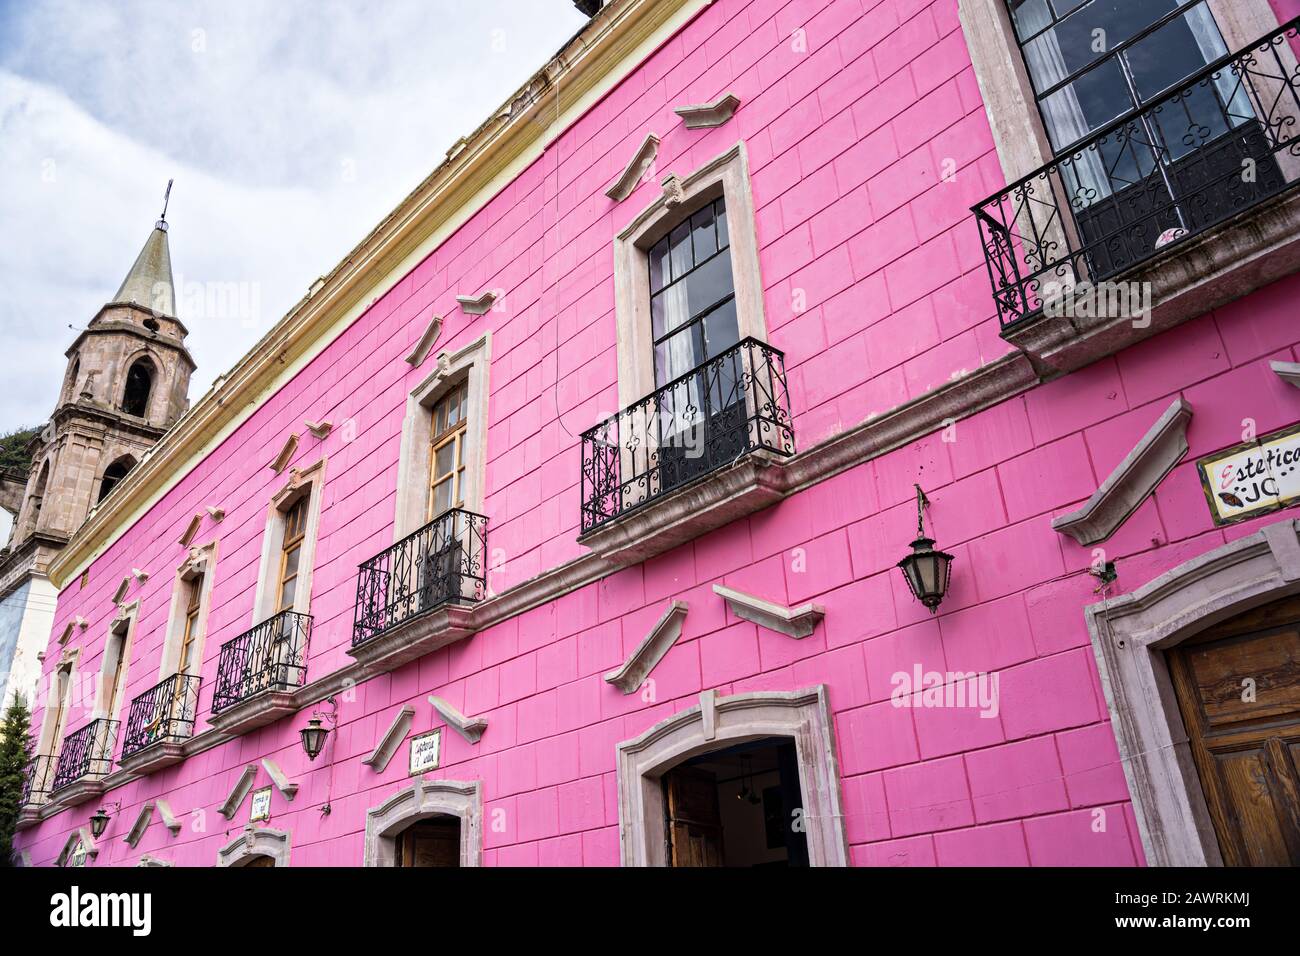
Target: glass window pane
x=445, y=459
x=290, y=563
x=679, y=243
x=678, y=354
x=441, y=496
x=703, y=235
x=1174, y=52
x=721, y=331
x=1029, y=17
x=1089, y=103
x=723, y=239
x=287, y=593
x=1062, y=7
x=709, y=284
x=658, y=255
x=668, y=310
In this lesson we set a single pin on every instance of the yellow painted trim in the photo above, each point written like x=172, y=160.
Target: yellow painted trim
x=477, y=168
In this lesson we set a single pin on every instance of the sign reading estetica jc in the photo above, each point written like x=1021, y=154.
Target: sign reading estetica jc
x=1253, y=478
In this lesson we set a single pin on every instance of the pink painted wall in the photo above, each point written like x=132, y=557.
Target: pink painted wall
x=846, y=142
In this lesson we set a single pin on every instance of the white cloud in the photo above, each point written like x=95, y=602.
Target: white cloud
x=291, y=128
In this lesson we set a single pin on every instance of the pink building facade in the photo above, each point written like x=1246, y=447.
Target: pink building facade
x=615, y=630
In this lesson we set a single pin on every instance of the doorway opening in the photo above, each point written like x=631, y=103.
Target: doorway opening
x=1238, y=688
x=736, y=807
x=257, y=859
x=432, y=842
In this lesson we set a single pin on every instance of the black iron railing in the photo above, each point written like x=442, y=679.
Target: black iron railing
x=86, y=753
x=271, y=656
x=1223, y=141
x=164, y=712
x=38, y=780
x=442, y=562
x=732, y=405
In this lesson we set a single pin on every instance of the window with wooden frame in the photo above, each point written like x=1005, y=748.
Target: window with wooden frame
x=447, y=451
x=289, y=545
x=116, y=660
x=56, y=718
x=291, y=553
x=192, y=625
x=443, y=456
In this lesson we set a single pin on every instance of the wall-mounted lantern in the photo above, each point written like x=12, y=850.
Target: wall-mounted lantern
x=313, y=737
x=99, y=821
x=925, y=569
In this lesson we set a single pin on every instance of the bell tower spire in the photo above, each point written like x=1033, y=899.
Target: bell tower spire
x=149, y=283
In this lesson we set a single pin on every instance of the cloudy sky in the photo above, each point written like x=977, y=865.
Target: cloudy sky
x=290, y=126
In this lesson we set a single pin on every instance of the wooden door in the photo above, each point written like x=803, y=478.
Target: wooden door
x=1238, y=687
x=430, y=843
x=693, y=820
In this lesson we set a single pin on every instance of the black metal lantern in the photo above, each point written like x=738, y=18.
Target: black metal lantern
x=925, y=569
x=98, y=823
x=313, y=737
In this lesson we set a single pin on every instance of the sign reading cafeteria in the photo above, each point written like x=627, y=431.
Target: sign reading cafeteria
x=425, y=752
x=1254, y=477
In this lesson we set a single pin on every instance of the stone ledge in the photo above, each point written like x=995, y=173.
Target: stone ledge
x=156, y=756
x=1259, y=246
x=471, y=728
x=259, y=710
x=414, y=638
x=28, y=817
x=709, y=502
x=74, y=794
x=1134, y=478
x=797, y=622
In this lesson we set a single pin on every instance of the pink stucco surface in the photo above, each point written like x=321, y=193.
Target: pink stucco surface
x=846, y=143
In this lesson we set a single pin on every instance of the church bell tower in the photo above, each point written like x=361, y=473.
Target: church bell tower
x=126, y=383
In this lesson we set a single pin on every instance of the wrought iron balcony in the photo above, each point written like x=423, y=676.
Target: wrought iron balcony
x=270, y=657
x=86, y=753
x=731, y=406
x=442, y=563
x=38, y=780
x=163, y=713
x=1224, y=141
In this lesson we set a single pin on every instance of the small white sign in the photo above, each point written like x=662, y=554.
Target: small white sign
x=426, y=750
x=1253, y=478
x=261, y=805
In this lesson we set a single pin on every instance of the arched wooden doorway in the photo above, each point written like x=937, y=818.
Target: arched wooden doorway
x=1238, y=688
x=434, y=842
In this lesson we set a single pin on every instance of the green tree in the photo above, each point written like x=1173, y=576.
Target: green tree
x=15, y=752
x=13, y=449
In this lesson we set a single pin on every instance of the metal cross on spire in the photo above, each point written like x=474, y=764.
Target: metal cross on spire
x=166, y=199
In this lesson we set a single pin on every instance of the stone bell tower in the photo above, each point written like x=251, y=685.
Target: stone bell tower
x=126, y=383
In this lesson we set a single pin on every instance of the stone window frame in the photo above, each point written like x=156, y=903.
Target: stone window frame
x=123, y=624
x=1008, y=94
x=462, y=799
x=199, y=561
x=254, y=842
x=1130, y=635
x=471, y=363
x=725, y=176
x=309, y=481
x=720, y=722
x=46, y=744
